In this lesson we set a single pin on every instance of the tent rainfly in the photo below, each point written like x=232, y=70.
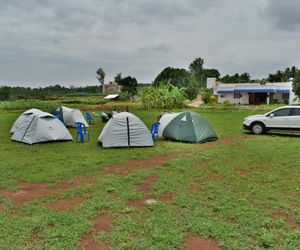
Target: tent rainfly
x=34, y=126
x=186, y=127
x=70, y=116
x=125, y=130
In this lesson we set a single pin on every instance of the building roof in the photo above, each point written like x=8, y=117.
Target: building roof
x=282, y=87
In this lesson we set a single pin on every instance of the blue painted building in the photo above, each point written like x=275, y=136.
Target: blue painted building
x=253, y=93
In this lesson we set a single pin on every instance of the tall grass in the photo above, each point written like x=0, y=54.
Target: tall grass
x=164, y=96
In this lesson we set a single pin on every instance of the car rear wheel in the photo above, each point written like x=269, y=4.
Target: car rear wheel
x=258, y=128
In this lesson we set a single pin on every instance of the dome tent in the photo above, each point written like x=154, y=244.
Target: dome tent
x=187, y=127
x=34, y=126
x=125, y=130
x=22, y=118
x=70, y=116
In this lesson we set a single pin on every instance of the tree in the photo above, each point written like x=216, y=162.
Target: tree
x=296, y=84
x=4, y=93
x=180, y=78
x=210, y=73
x=118, y=77
x=283, y=75
x=129, y=84
x=200, y=73
x=236, y=78
x=196, y=69
x=101, y=75
x=245, y=77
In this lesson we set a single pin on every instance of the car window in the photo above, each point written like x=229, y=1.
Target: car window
x=295, y=112
x=281, y=112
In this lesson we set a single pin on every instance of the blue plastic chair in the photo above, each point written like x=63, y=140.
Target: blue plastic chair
x=81, y=131
x=89, y=118
x=154, y=129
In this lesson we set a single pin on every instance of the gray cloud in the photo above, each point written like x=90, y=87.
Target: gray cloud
x=54, y=41
x=285, y=14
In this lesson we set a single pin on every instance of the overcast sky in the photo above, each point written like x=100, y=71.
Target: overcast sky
x=45, y=42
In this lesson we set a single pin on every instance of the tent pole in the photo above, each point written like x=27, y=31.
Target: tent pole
x=27, y=128
x=128, y=132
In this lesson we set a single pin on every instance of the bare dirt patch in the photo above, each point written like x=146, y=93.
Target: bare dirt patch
x=66, y=204
x=145, y=186
x=242, y=173
x=133, y=165
x=197, y=102
x=101, y=223
x=2, y=208
x=138, y=204
x=195, y=242
x=31, y=191
x=167, y=197
x=294, y=224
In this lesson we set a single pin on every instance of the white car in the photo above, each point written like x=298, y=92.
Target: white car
x=284, y=118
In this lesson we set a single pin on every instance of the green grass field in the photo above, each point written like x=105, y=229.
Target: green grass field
x=242, y=191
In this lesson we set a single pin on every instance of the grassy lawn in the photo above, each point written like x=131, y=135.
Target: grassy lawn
x=242, y=191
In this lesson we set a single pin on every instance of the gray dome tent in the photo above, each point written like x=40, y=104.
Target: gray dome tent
x=125, y=130
x=34, y=126
x=70, y=116
x=187, y=127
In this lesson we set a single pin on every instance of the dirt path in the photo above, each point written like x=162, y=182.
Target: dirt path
x=31, y=191
x=101, y=223
x=63, y=205
x=197, y=102
x=133, y=165
x=195, y=242
x=145, y=186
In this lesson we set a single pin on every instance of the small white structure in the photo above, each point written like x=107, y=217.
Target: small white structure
x=125, y=130
x=111, y=97
x=34, y=126
x=253, y=93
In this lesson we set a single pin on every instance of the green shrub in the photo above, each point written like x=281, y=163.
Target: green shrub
x=206, y=94
x=212, y=99
x=125, y=96
x=163, y=96
x=227, y=103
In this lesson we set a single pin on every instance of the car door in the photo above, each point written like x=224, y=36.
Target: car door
x=294, y=119
x=279, y=118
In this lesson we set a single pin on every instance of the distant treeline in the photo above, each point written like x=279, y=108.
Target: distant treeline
x=14, y=93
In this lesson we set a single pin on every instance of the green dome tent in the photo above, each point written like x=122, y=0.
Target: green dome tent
x=187, y=127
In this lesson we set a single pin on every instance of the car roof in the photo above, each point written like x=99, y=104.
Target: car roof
x=289, y=107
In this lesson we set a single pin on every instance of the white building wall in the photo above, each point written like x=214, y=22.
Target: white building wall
x=217, y=86
x=244, y=98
